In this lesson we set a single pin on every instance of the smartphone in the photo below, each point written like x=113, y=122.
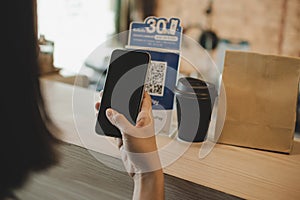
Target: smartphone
x=123, y=88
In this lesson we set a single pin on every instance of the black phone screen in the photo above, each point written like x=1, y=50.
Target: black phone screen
x=123, y=88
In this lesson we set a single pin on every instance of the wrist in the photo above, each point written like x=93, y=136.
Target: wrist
x=149, y=185
x=149, y=176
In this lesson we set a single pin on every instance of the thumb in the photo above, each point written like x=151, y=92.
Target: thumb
x=119, y=121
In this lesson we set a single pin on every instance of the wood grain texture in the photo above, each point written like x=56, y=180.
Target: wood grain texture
x=80, y=176
x=242, y=172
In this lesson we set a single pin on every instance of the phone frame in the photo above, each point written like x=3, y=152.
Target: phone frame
x=98, y=128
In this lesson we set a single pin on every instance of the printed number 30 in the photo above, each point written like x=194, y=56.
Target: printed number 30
x=160, y=26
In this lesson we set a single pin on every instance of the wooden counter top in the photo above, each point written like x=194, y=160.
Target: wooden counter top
x=246, y=173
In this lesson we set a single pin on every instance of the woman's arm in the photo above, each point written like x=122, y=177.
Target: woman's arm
x=149, y=185
x=139, y=151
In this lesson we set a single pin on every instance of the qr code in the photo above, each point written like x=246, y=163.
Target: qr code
x=155, y=81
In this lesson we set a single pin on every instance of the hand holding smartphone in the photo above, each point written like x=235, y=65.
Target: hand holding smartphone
x=123, y=89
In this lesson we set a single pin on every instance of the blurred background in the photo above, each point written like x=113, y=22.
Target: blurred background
x=75, y=28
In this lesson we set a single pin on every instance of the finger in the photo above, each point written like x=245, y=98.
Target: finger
x=119, y=121
x=101, y=93
x=146, y=103
x=119, y=142
x=97, y=105
x=143, y=119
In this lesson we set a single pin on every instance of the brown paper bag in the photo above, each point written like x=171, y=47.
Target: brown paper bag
x=261, y=95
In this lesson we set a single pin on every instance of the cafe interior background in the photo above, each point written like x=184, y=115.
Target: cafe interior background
x=75, y=28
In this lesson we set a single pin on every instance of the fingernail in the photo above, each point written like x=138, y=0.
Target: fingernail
x=109, y=112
